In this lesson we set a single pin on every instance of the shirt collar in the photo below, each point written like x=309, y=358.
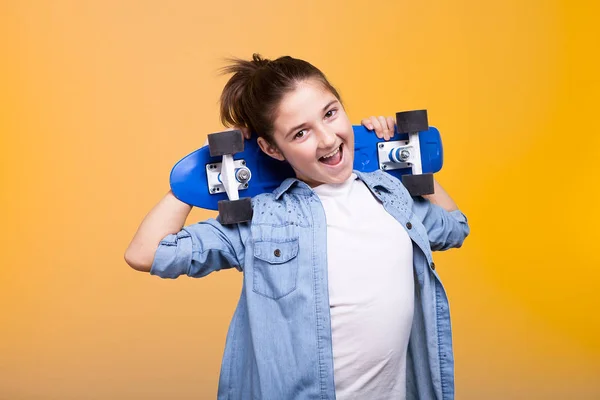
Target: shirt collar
x=293, y=185
x=376, y=180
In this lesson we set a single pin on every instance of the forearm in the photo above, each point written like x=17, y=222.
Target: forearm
x=167, y=217
x=441, y=198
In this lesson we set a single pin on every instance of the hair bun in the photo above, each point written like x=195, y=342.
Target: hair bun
x=259, y=61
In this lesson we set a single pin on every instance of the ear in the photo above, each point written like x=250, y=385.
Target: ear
x=269, y=149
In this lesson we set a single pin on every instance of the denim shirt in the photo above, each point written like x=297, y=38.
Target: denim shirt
x=279, y=343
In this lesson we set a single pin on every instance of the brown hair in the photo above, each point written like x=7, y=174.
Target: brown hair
x=251, y=96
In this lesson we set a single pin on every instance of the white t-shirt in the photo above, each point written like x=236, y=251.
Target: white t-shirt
x=371, y=292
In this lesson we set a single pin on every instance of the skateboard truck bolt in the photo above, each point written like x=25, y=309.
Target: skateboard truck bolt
x=242, y=175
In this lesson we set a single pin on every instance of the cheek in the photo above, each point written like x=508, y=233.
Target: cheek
x=305, y=156
x=296, y=156
x=344, y=124
x=305, y=160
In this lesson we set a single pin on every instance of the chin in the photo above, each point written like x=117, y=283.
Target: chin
x=342, y=177
x=346, y=175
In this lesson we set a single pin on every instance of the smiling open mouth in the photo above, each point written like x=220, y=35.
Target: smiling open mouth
x=333, y=158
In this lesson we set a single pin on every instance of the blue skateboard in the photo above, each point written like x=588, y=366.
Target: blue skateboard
x=214, y=176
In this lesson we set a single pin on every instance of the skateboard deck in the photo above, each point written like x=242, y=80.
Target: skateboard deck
x=195, y=179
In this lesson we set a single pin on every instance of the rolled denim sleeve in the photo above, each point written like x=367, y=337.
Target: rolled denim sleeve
x=199, y=249
x=445, y=229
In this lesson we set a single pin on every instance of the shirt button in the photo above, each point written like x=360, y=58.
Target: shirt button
x=409, y=225
x=432, y=265
x=277, y=253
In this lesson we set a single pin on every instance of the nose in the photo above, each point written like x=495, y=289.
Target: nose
x=327, y=137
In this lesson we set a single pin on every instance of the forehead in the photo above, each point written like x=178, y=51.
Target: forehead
x=303, y=103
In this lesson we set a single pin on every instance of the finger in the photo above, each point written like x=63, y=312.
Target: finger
x=377, y=127
x=246, y=132
x=391, y=121
x=385, y=128
x=367, y=123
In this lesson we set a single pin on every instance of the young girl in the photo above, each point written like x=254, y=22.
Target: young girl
x=340, y=297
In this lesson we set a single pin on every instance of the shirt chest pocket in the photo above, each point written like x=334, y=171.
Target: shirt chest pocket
x=275, y=268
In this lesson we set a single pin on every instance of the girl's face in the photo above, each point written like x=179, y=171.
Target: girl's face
x=313, y=133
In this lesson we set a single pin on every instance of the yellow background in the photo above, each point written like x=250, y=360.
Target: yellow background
x=99, y=99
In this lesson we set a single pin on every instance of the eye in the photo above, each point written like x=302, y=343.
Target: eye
x=300, y=134
x=330, y=113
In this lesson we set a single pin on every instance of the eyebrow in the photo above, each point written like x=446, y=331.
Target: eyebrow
x=295, y=128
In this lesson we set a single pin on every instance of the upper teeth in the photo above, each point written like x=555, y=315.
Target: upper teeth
x=332, y=153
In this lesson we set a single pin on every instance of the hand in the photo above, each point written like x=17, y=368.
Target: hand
x=245, y=131
x=384, y=126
